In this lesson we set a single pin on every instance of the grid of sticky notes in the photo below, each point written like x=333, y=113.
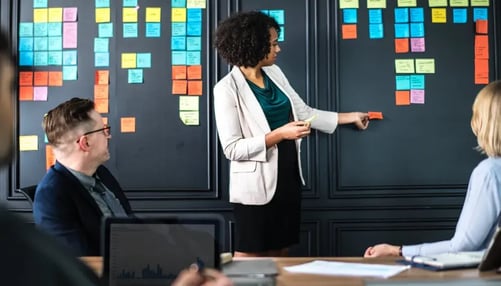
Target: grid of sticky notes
x=47, y=50
x=409, y=37
x=186, y=57
x=279, y=16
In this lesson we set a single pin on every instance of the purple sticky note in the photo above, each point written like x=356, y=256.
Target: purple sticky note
x=417, y=45
x=417, y=96
x=70, y=35
x=70, y=14
x=40, y=93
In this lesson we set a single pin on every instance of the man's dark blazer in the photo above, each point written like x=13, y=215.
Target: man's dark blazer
x=64, y=208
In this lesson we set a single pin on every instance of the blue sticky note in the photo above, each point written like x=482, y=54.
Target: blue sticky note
x=135, y=76
x=376, y=31
x=40, y=58
x=193, y=15
x=130, y=3
x=101, y=59
x=55, y=58
x=40, y=44
x=401, y=15
x=143, y=60
x=417, y=30
x=178, y=3
x=25, y=44
x=55, y=29
x=401, y=30
x=279, y=16
x=480, y=14
x=69, y=57
x=25, y=29
x=55, y=43
x=178, y=43
x=417, y=81
x=194, y=28
x=193, y=58
x=459, y=15
x=402, y=82
x=105, y=30
x=102, y=3
x=40, y=3
x=350, y=16
x=101, y=45
x=178, y=29
x=375, y=16
x=130, y=30
x=281, y=35
x=266, y=12
x=26, y=58
x=194, y=43
x=417, y=15
x=69, y=72
x=40, y=29
x=178, y=58
x=152, y=30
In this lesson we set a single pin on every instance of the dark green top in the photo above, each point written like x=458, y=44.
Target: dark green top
x=275, y=103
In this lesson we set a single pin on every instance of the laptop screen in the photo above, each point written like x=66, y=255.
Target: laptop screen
x=152, y=251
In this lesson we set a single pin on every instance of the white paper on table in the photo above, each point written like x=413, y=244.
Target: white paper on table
x=347, y=269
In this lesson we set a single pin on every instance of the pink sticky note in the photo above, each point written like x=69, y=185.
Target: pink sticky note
x=40, y=93
x=417, y=45
x=70, y=14
x=417, y=96
x=70, y=35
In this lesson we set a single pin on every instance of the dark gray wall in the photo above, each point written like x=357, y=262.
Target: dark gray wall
x=401, y=181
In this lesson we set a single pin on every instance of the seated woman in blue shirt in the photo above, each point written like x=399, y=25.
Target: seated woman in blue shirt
x=479, y=216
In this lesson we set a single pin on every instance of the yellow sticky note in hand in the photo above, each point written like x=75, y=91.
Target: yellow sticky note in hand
x=309, y=120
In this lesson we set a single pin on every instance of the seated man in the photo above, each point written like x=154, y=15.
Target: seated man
x=77, y=192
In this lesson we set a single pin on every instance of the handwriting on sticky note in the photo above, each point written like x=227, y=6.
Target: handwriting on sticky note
x=128, y=124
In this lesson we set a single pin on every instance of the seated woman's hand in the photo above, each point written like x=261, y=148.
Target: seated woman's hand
x=383, y=249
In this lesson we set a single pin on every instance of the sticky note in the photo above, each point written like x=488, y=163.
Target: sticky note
x=376, y=4
x=425, y=65
x=402, y=82
x=418, y=45
x=480, y=3
x=102, y=77
x=480, y=14
x=55, y=78
x=178, y=15
x=129, y=15
x=128, y=60
x=178, y=43
x=54, y=58
x=39, y=3
x=25, y=78
x=194, y=28
x=416, y=15
x=40, y=93
x=40, y=15
x=101, y=91
x=41, y=58
x=50, y=159
x=481, y=26
x=40, y=43
x=401, y=15
x=438, y=15
x=189, y=103
x=26, y=44
x=55, y=14
x=102, y=15
x=143, y=60
x=417, y=96
x=101, y=59
x=417, y=81
x=459, y=15
x=417, y=30
x=55, y=43
x=401, y=45
x=26, y=58
x=54, y=29
x=178, y=29
x=189, y=117
x=25, y=29
x=278, y=15
x=135, y=76
x=70, y=14
x=102, y=3
x=194, y=72
x=343, y=4
x=178, y=57
x=349, y=31
x=402, y=30
x=178, y=72
x=129, y=3
x=41, y=78
x=128, y=124
x=193, y=43
x=404, y=66
x=70, y=72
x=402, y=97
x=196, y=4
x=105, y=30
x=179, y=87
x=178, y=3
x=70, y=35
x=101, y=45
x=153, y=14
x=376, y=31
x=481, y=71
x=481, y=47
x=28, y=143
x=195, y=87
x=152, y=30
x=375, y=115
x=350, y=16
x=375, y=16
x=130, y=30
x=25, y=93
x=459, y=3
x=193, y=58
x=437, y=3
x=101, y=105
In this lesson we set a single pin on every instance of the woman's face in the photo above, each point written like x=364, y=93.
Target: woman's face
x=271, y=57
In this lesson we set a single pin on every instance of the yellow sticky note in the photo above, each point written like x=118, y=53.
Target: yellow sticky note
x=438, y=15
x=189, y=117
x=407, y=3
x=128, y=60
x=129, y=15
x=348, y=4
x=190, y=103
x=404, y=66
x=102, y=15
x=459, y=3
x=196, y=4
x=28, y=143
x=40, y=15
x=480, y=3
x=437, y=3
x=376, y=4
x=425, y=65
x=178, y=14
x=153, y=14
x=56, y=14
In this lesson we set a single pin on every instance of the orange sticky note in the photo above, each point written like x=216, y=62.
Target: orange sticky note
x=128, y=124
x=401, y=45
x=41, y=78
x=50, y=159
x=55, y=78
x=101, y=91
x=195, y=72
x=403, y=97
x=105, y=120
x=375, y=115
x=481, y=47
x=349, y=31
x=195, y=87
x=178, y=72
x=481, y=26
x=102, y=77
x=26, y=93
x=101, y=105
x=179, y=86
x=25, y=78
x=481, y=71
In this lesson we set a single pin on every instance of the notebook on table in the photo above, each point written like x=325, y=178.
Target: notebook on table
x=152, y=251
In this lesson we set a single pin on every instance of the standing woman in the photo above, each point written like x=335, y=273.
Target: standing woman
x=260, y=121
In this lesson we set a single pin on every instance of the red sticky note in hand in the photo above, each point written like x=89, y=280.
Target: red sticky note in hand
x=375, y=115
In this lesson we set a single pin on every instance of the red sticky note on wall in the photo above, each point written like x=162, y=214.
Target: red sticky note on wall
x=25, y=78
x=349, y=31
x=401, y=45
x=481, y=26
x=402, y=97
x=375, y=115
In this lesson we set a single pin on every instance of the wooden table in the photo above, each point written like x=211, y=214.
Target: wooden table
x=289, y=279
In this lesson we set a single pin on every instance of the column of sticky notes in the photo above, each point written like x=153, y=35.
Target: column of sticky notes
x=186, y=50
x=102, y=55
x=279, y=16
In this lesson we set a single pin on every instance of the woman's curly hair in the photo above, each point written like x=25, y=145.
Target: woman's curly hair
x=244, y=38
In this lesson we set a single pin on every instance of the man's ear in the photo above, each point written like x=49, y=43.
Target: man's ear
x=83, y=143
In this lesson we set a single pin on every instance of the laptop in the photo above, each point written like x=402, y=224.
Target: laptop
x=251, y=271
x=152, y=251
x=484, y=260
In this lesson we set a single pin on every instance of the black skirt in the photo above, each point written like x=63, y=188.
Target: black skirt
x=275, y=225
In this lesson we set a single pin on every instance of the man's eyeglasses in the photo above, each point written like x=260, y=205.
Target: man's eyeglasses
x=106, y=131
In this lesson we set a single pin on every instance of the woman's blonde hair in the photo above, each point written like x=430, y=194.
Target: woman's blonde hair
x=486, y=119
